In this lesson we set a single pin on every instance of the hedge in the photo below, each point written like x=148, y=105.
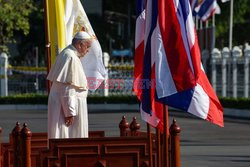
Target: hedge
x=43, y=99
x=24, y=99
x=239, y=103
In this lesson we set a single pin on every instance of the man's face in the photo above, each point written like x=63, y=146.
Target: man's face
x=84, y=47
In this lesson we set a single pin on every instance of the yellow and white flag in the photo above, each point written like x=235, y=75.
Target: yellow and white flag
x=65, y=19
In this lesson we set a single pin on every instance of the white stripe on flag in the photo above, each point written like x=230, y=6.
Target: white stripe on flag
x=185, y=32
x=140, y=26
x=151, y=119
x=211, y=9
x=199, y=105
x=163, y=74
x=190, y=29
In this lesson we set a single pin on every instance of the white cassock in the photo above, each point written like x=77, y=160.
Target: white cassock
x=67, y=96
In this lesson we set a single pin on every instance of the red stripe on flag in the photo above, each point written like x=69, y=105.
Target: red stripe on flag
x=157, y=107
x=215, y=113
x=138, y=70
x=195, y=55
x=174, y=46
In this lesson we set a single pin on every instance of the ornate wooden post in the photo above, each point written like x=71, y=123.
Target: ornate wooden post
x=124, y=125
x=134, y=127
x=175, y=144
x=16, y=145
x=26, y=146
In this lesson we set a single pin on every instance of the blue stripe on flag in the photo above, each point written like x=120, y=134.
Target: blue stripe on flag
x=140, y=6
x=179, y=100
x=193, y=4
x=205, y=7
x=182, y=15
x=185, y=8
x=146, y=94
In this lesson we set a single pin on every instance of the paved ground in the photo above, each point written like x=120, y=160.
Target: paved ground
x=202, y=144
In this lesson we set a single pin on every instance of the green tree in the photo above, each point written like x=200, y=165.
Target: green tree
x=36, y=38
x=14, y=17
x=241, y=23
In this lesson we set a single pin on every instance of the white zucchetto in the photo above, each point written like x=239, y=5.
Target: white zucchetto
x=82, y=35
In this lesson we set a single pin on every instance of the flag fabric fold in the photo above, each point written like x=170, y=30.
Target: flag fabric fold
x=144, y=74
x=199, y=100
x=65, y=19
x=169, y=66
x=204, y=9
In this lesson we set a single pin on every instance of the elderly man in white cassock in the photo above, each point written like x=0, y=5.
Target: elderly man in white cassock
x=67, y=105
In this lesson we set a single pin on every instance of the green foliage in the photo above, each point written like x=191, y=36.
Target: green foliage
x=25, y=99
x=13, y=18
x=43, y=99
x=239, y=103
x=35, y=38
x=241, y=23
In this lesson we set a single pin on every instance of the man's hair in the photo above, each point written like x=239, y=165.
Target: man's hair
x=76, y=40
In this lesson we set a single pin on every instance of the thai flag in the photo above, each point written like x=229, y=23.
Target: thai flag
x=144, y=72
x=205, y=9
x=172, y=57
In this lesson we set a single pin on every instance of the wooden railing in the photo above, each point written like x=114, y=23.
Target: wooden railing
x=130, y=149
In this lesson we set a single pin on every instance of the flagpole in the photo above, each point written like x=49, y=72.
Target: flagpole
x=150, y=151
x=47, y=42
x=165, y=138
x=231, y=25
x=158, y=147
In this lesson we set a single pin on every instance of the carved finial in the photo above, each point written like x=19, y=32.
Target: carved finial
x=134, y=127
x=25, y=132
x=174, y=128
x=25, y=125
x=16, y=130
x=123, y=125
x=174, y=121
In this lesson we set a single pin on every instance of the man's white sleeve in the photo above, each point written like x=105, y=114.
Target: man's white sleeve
x=68, y=100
